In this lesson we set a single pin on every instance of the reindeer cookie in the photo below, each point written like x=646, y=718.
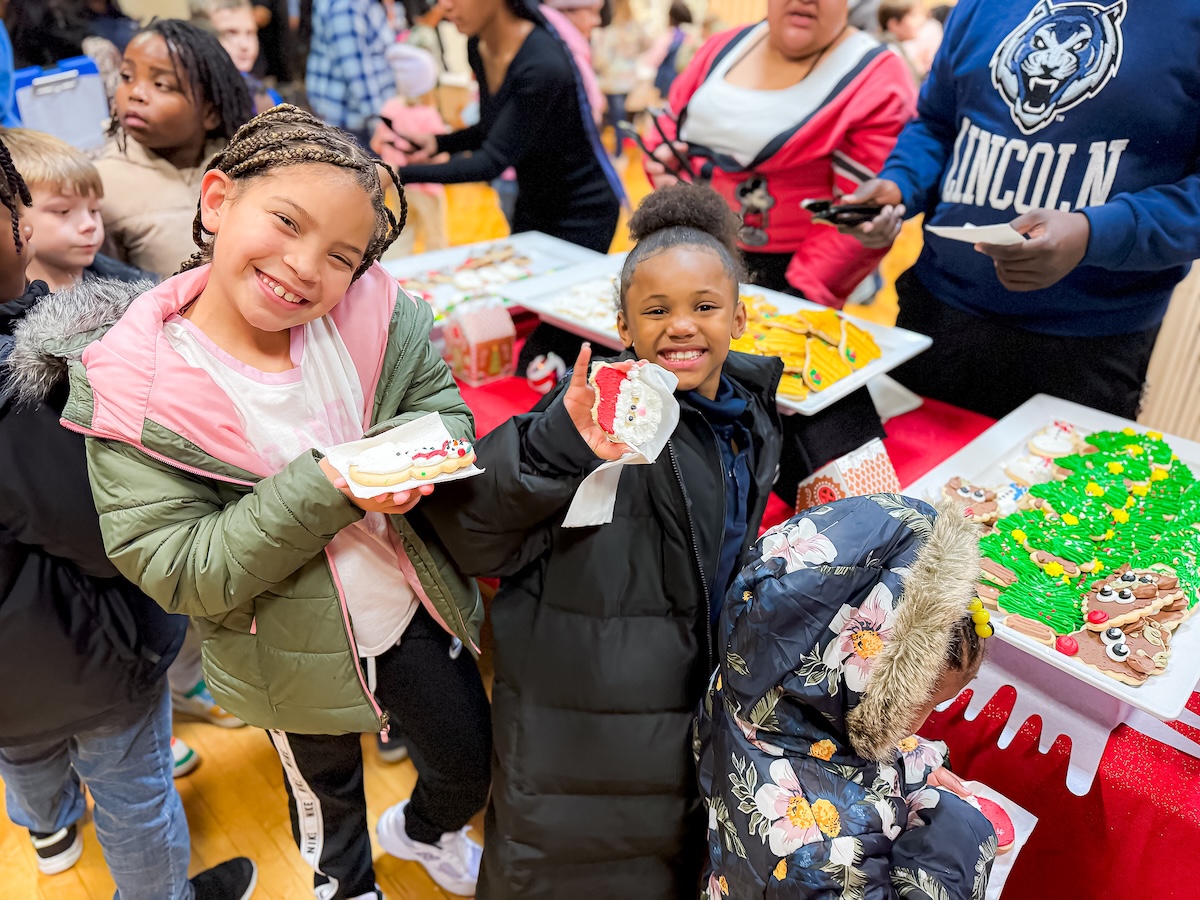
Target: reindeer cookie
x=1130, y=655
x=1126, y=596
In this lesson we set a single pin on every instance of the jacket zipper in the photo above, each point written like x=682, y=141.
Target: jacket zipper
x=724, y=514
x=687, y=506
x=463, y=633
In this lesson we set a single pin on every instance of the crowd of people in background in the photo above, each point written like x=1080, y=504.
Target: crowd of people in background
x=257, y=127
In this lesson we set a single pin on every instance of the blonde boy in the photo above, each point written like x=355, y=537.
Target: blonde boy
x=68, y=231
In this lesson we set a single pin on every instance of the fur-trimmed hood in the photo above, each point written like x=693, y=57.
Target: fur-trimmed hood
x=847, y=612
x=59, y=328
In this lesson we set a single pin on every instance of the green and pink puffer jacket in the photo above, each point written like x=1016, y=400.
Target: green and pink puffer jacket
x=192, y=516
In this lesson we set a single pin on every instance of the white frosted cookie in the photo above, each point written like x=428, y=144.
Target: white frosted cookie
x=383, y=465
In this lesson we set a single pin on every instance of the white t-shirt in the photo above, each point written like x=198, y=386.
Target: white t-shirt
x=740, y=122
x=315, y=405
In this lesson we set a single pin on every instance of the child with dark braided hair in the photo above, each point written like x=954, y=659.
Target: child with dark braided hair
x=179, y=101
x=208, y=407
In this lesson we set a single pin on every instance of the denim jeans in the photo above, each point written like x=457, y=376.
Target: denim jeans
x=128, y=768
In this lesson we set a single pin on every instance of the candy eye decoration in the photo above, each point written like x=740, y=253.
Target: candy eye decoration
x=964, y=491
x=1148, y=579
x=1106, y=592
x=1114, y=644
x=1129, y=577
x=979, y=495
x=1124, y=595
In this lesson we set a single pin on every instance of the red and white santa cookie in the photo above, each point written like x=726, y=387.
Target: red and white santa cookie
x=626, y=409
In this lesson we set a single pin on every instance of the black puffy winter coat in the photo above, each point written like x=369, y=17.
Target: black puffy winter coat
x=603, y=647
x=77, y=640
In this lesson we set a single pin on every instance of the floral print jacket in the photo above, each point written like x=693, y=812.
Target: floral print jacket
x=802, y=801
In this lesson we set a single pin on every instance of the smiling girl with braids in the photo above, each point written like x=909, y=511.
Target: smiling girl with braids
x=208, y=406
x=179, y=101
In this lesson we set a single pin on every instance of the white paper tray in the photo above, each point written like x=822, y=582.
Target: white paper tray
x=546, y=253
x=537, y=295
x=1163, y=696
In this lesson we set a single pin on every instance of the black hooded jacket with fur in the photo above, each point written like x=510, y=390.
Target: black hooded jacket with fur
x=77, y=641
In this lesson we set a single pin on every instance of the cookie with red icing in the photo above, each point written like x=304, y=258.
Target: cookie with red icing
x=626, y=408
x=430, y=462
x=1002, y=824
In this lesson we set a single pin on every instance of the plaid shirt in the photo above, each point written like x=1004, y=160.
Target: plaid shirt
x=349, y=78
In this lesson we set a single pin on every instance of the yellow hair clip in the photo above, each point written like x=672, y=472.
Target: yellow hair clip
x=981, y=617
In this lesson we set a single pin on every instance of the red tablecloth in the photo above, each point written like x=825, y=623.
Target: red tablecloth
x=1130, y=835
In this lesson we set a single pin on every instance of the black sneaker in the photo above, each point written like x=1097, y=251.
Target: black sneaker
x=233, y=879
x=59, y=850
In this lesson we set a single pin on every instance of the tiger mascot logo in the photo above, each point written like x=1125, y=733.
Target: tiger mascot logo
x=1061, y=55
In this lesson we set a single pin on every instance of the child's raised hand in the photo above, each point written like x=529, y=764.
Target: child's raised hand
x=579, y=399
x=392, y=504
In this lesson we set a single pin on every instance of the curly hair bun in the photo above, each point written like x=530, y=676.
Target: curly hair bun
x=686, y=206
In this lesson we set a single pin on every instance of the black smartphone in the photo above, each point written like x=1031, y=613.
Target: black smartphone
x=849, y=214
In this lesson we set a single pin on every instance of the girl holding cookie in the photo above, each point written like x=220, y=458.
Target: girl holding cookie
x=603, y=634
x=207, y=407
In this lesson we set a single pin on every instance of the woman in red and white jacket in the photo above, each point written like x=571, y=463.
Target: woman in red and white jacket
x=799, y=106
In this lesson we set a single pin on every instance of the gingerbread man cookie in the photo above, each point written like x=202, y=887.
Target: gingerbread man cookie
x=980, y=502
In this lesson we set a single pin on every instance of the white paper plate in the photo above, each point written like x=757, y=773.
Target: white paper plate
x=542, y=295
x=546, y=254
x=1163, y=696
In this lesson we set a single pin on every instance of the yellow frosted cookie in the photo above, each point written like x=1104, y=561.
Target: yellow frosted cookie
x=824, y=323
x=823, y=365
x=857, y=345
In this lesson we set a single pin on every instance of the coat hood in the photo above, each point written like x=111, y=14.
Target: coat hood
x=57, y=330
x=846, y=611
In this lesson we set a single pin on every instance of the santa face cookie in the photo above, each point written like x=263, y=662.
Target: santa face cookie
x=980, y=502
x=626, y=409
x=1127, y=596
x=1130, y=655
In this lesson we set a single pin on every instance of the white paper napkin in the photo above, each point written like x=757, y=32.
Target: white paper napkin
x=596, y=496
x=999, y=235
x=427, y=431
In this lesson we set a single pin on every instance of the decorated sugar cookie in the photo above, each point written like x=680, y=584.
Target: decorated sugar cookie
x=1030, y=470
x=1002, y=824
x=823, y=365
x=980, y=502
x=857, y=346
x=382, y=466
x=1055, y=440
x=626, y=409
x=824, y=323
x=1031, y=628
x=1130, y=655
x=1126, y=596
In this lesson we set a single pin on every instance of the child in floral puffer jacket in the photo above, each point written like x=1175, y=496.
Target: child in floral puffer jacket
x=850, y=624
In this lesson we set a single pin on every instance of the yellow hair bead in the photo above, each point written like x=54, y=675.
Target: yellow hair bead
x=985, y=630
x=981, y=617
x=975, y=605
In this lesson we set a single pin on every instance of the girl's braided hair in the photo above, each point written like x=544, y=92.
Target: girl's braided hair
x=13, y=190
x=286, y=136
x=208, y=74
x=966, y=650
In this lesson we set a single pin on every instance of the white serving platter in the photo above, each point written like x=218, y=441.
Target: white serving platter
x=546, y=254
x=544, y=296
x=1163, y=696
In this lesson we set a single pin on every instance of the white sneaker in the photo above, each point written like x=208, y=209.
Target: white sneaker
x=453, y=862
x=184, y=758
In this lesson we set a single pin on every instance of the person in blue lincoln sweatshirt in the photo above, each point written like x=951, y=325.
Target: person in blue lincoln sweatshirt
x=1078, y=123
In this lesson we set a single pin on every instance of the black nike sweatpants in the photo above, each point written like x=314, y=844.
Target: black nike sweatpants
x=439, y=705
